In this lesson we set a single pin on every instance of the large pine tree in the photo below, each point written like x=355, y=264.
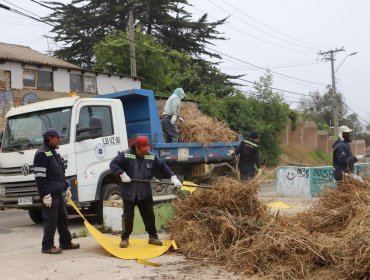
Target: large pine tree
x=82, y=24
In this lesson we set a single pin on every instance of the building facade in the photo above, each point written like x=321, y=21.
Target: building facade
x=28, y=76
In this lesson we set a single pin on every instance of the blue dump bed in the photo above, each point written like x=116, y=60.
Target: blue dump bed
x=142, y=118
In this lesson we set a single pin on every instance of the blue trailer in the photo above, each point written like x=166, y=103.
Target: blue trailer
x=194, y=161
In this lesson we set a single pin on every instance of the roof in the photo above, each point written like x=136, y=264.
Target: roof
x=27, y=55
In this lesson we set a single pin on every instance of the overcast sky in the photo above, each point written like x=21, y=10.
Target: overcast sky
x=283, y=35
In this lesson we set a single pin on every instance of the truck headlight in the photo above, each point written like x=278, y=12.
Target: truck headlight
x=2, y=190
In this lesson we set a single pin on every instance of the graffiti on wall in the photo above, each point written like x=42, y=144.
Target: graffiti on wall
x=6, y=101
x=293, y=181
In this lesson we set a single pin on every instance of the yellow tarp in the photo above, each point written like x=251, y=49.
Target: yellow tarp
x=139, y=249
x=278, y=205
x=187, y=188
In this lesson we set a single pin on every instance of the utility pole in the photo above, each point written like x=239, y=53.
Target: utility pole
x=329, y=55
x=132, y=43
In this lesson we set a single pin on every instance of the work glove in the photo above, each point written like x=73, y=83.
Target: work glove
x=360, y=157
x=47, y=200
x=357, y=178
x=68, y=194
x=173, y=119
x=125, y=178
x=176, y=182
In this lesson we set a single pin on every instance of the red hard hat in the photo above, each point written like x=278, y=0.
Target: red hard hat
x=143, y=143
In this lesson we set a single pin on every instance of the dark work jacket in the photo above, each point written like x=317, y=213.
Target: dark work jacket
x=249, y=153
x=343, y=160
x=151, y=166
x=49, y=171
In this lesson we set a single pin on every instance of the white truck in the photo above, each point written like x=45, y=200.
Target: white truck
x=96, y=129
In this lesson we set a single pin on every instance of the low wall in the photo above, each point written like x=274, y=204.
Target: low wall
x=112, y=216
x=294, y=181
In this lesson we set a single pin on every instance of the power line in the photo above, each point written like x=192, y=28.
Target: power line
x=263, y=31
x=279, y=89
x=273, y=29
x=265, y=69
x=168, y=54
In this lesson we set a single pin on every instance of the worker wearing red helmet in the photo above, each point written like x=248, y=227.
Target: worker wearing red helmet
x=139, y=163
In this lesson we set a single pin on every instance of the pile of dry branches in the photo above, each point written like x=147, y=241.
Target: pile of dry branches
x=209, y=222
x=200, y=128
x=229, y=225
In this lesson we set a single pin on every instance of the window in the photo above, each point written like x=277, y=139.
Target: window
x=45, y=80
x=75, y=82
x=29, y=78
x=25, y=131
x=81, y=83
x=102, y=112
x=89, y=84
x=38, y=79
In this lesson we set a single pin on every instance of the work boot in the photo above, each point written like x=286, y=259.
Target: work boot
x=53, y=250
x=124, y=243
x=154, y=241
x=71, y=246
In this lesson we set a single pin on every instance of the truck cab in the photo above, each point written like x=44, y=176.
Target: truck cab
x=95, y=130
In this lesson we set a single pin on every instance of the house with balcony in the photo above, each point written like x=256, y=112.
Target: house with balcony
x=28, y=76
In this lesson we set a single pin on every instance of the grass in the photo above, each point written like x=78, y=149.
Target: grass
x=298, y=154
x=82, y=233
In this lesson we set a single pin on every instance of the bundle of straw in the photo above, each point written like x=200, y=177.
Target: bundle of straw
x=200, y=128
x=229, y=225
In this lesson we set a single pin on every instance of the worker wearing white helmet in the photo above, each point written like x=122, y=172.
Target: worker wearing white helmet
x=343, y=159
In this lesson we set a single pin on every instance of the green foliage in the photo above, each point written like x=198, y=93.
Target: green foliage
x=321, y=157
x=162, y=73
x=264, y=112
x=319, y=109
x=113, y=55
x=293, y=116
x=82, y=24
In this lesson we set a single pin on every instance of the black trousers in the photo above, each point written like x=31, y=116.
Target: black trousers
x=55, y=217
x=247, y=171
x=172, y=136
x=147, y=214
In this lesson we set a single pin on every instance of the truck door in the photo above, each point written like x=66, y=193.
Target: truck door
x=97, y=142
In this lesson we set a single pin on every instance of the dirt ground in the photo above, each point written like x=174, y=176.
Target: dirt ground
x=21, y=258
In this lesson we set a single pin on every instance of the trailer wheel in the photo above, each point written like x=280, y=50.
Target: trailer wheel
x=109, y=192
x=35, y=215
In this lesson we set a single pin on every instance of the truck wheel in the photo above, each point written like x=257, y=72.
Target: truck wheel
x=35, y=215
x=109, y=192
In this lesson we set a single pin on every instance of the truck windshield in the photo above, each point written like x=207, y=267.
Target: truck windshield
x=24, y=132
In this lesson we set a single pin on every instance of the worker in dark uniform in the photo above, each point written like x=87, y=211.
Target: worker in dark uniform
x=51, y=185
x=249, y=157
x=343, y=159
x=139, y=163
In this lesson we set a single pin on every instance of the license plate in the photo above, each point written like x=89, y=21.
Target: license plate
x=25, y=200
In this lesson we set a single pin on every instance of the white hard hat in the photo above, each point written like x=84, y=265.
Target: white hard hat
x=342, y=129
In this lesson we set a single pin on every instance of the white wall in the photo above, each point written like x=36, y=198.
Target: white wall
x=112, y=84
x=16, y=74
x=61, y=80
x=105, y=84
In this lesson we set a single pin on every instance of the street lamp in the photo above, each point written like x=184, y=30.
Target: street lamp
x=354, y=53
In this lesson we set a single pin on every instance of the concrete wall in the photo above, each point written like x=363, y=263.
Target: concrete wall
x=61, y=80
x=12, y=91
x=308, y=137
x=110, y=84
x=293, y=181
x=323, y=140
